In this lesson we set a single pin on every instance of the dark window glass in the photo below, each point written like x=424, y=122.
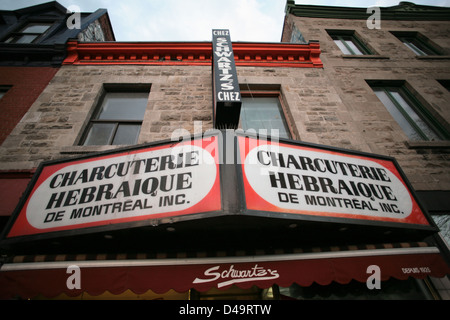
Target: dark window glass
x=118, y=120
x=416, y=42
x=445, y=84
x=29, y=33
x=3, y=90
x=348, y=42
x=36, y=28
x=100, y=134
x=123, y=106
x=264, y=113
x=127, y=134
x=409, y=113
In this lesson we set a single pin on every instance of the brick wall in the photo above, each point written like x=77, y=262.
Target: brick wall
x=54, y=124
x=26, y=86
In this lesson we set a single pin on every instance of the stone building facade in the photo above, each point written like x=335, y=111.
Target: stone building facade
x=180, y=100
x=32, y=48
x=32, y=42
x=365, y=123
x=386, y=58
x=332, y=106
x=325, y=98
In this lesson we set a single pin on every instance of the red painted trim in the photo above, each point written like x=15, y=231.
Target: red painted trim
x=192, y=53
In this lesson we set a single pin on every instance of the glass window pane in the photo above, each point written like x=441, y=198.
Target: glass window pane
x=264, y=113
x=127, y=134
x=353, y=47
x=397, y=115
x=414, y=48
x=414, y=116
x=123, y=106
x=443, y=222
x=26, y=38
x=36, y=28
x=99, y=134
x=342, y=47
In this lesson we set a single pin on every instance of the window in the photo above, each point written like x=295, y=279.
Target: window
x=118, y=119
x=445, y=84
x=264, y=113
x=417, y=43
x=29, y=33
x=3, y=91
x=347, y=41
x=413, y=118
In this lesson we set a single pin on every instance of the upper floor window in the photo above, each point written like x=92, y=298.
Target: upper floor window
x=348, y=42
x=3, y=90
x=416, y=42
x=445, y=84
x=29, y=34
x=415, y=120
x=264, y=114
x=118, y=119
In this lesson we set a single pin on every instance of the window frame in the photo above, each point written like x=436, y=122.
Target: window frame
x=247, y=92
x=416, y=42
x=415, y=104
x=444, y=83
x=15, y=35
x=94, y=117
x=4, y=90
x=353, y=37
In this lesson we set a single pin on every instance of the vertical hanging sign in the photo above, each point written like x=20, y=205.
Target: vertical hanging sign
x=226, y=93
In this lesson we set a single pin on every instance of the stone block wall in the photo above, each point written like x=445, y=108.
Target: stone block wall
x=55, y=123
x=368, y=122
x=180, y=98
x=330, y=106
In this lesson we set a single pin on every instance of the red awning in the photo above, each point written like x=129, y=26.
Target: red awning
x=27, y=280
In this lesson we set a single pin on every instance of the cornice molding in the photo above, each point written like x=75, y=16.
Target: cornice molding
x=32, y=54
x=407, y=11
x=192, y=53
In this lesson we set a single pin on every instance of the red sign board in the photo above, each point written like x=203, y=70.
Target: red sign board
x=161, y=181
x=310, y=181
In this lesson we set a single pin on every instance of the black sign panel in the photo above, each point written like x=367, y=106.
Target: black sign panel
x=227, y=96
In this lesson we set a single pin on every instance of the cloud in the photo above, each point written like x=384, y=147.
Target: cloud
x=174, y=20
x=193, y=20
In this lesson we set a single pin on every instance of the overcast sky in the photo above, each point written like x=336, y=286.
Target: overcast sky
x=193, y=20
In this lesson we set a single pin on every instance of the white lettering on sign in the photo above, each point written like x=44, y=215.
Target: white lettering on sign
x=231, y=275
x=229, y=96
x=221, y=32
x=223, y=51
x=326, y=182
x=121, y=187
x=226, y=87
x=416, y=270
